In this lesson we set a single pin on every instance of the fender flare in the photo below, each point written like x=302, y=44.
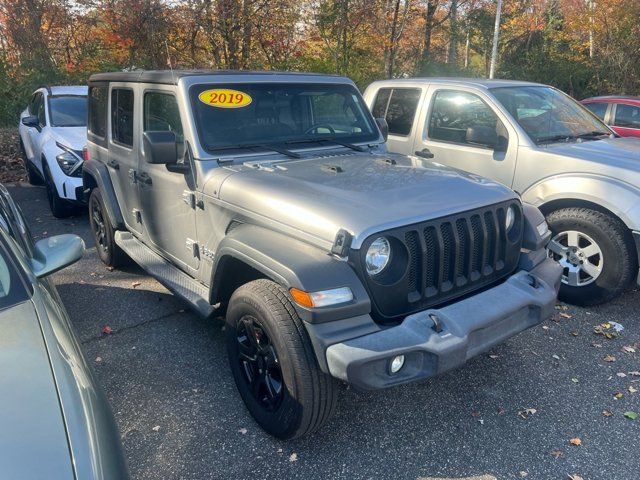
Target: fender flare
x=620, y=198
x=293, y=264
x=96, y=175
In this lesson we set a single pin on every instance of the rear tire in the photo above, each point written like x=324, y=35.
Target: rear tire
x=273, y=362
x=59, y=207
x=32, y=175
x=103, y=233
x=597, y=252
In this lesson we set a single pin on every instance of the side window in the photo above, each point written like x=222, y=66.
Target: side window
x=122, y=116
x=598, y=109
x=12, y=289
x=380, y=104
x=398, y=106
x=161, y=113
x=627, y=116
x=453, y=112
x=34, y=102
x=42, y=119
x=98, y=111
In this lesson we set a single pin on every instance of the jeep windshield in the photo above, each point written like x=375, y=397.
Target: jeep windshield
x=68, y=110
x=268, y=115
x=550, y=116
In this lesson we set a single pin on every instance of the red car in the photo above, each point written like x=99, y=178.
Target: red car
x=620, y=112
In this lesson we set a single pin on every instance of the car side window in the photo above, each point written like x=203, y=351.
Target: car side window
x=398, y=106
x=97, y=124
x=12, y=288
x=33, y=104
x=453, y=112
x=122, y=116
x=42, y=119
x=161, y=113
x=627, y=116
x=598, y=109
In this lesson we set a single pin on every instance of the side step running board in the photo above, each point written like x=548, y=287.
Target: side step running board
x=171, y=277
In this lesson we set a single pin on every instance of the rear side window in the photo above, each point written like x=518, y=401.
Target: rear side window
x=453, y=112
x=400, y=109
x=122, y=116
x=627, y=116
x=161, y=113
x=98, y=111
x=598, y=109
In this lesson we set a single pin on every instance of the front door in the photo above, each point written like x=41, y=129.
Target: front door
x=167, y=198
x=456, y=123
x=122, y=161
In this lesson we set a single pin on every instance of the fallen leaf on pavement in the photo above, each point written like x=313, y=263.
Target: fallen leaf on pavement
x=575, y=477
x=293, y=457
x=632, y=390
x=557, y=453
x=575, y=334
x=634, y=374
x=631, y=415
x=609, y=358
x=607, y=413
x=243, y=431
x=556, y=357
x=575, y=380
x=628, y=349
x=156, y=428
x=606, y=330
x=527, y=412
x=523, y=473
x=575, y=441
x=618, y=395
x=107, y=330
x=494, y=356
x=565, y=315
x=621, y=374
x=98, y=359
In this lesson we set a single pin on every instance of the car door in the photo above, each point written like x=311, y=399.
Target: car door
x=167, y=198
x=626, y=119
x=123, y=156
x=35, y=134
x=26, y=133
x=463, y=129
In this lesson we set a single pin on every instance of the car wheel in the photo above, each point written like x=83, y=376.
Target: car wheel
x=59, y=207
x=32, y=175
x=103, y=233
x=596, y=252
x=273, y=362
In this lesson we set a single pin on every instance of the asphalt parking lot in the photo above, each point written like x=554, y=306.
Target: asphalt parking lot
x=511, y=413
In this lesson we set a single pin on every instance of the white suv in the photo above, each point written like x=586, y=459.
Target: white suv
x=53, y=133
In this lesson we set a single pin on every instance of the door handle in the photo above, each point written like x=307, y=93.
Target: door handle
x=113, y=164
x=145, y=178
x=424, y=153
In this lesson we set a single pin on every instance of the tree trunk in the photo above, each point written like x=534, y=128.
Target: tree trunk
x=452, y=57
x=432, y=6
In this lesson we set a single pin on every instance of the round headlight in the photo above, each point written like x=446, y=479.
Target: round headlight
x=378, y=255
x=510, y=218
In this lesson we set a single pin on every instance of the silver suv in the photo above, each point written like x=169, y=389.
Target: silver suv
x=547, y=147
x=269, y=198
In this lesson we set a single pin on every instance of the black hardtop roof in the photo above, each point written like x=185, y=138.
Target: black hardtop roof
x=172, y=76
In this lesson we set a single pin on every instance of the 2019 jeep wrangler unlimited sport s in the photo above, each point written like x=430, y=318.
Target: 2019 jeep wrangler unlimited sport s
x=270, y=198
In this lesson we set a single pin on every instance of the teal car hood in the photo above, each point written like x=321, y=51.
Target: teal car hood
x=33, y=440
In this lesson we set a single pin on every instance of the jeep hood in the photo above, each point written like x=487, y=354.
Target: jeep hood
x=361, y=193
x=611, y=152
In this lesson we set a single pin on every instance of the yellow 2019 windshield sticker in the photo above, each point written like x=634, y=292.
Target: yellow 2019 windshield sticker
x=225, y=98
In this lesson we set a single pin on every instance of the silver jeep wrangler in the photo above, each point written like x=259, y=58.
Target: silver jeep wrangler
x=269, y=198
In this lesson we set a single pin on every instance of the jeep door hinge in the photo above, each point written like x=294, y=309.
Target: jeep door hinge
x=189, y=198
x=192, y=246
x=137, y=214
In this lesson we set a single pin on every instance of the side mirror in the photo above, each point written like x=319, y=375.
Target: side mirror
x=55, y=253
x=482, y=135
x=160, y=147
x=30, y=121
x=384, y=127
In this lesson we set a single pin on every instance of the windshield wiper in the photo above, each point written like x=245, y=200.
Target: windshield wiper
x=357, y=148
x=593, y=133
x=554, y=138
x=241, y=146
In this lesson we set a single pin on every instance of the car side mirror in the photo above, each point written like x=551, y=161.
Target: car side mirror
x=384, y=127
x=482, y=135
x=30, y=121
x=55, y=253
x=160, y=147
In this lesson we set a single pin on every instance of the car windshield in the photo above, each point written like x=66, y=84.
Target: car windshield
x=252, y=115
x=68, y=110
x=548, y=115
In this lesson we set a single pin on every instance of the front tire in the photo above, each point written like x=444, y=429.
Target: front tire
x=273, y=362
x=59, y=207
x=103, y=232
x=597, y=254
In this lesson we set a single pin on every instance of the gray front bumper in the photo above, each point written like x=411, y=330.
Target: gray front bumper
x=469, y=327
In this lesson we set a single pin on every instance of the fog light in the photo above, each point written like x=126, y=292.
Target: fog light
x=396, y=363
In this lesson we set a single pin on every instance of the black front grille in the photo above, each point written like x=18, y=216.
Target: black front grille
x=436, y=261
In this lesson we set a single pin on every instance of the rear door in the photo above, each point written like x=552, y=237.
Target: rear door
x=448, y=117
x=123, y=148
x=167, y=198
